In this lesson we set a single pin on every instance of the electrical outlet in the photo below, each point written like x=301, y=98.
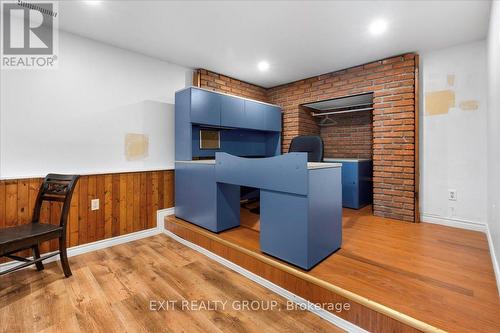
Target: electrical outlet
x=452, y=195
x=94, y=204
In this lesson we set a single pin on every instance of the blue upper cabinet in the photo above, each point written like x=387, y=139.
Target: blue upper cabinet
x=273, y=117
x=248, y=128
x=232, y=112
x=255, y=116
x=264, y=117
x=213, y=109
x=205, y=107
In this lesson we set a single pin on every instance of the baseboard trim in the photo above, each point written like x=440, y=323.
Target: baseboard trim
x=326, y=315
x=94, y=246
x=160, y=217
x=102, y=244
x=453, y=222
x=494, y=259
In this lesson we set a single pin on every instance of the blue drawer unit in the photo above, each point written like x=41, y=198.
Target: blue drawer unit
x=205, y=107
x=357, y=186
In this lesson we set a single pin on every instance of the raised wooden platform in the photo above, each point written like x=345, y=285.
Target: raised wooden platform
x=397, y=276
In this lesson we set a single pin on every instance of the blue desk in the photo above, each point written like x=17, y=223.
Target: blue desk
x=300, y=202
x=301, y=209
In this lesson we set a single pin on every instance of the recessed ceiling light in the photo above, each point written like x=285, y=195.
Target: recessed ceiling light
x=263, y=66
x=93, y=2
x=378, y=27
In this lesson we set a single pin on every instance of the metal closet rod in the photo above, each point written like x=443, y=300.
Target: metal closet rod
x=314, y=114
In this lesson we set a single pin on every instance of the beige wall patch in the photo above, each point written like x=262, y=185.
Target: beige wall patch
x=471, y=105
x=136, y=146
x=439, y=102
x=450, y=79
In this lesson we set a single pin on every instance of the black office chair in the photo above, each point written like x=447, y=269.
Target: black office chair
x=310, y=144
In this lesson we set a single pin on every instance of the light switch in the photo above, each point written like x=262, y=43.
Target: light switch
x=94, y=204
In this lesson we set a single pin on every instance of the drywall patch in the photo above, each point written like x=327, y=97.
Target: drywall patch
x=136, y=146
x=450, y=79
x=439, y=102
x=470, y=105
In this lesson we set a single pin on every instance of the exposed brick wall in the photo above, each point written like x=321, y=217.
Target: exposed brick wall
x=392, y=81
x=228, y=85
x=350, y=135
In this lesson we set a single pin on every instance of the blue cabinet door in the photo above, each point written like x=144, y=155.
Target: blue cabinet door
x=254, y=116
x=195, y=194
x=273, y=117
x=262, y=116
x=202, y=201
x=350, y=184
x=205, y=107
x=232, y=112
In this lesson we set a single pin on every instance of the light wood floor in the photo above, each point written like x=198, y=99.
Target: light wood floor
x=111, y=290
x=439, y=275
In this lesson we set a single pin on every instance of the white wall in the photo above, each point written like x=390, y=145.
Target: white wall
x=74, y=118
x=453, y=144
x=494, y=135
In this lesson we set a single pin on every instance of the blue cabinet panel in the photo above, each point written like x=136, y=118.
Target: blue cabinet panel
x=205, y=107
x=200, y=200
x=283, y=226
x=262, y=116
x=350, y=184
x=239, y=142
x=232, y=112
x=195, y=194
x=284, y=173
x=183, y=126
x=255, y=116
x=325, y=214
x=273, y=117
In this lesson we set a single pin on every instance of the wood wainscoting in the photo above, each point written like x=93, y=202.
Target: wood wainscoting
x=128, y=203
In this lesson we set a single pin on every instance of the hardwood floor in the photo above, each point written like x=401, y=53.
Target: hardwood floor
x=434, y=274
x=111, y=290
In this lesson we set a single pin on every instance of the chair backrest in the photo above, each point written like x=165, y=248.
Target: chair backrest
x=310, y=144
x=56, y=188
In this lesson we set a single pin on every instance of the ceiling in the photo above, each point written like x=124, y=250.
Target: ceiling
x=298, y=38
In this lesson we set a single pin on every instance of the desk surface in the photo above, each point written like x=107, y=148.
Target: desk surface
x=341, y=159
x=310, y=165
x=198, y=161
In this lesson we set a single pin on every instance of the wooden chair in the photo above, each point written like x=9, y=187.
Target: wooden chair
x=29, y=236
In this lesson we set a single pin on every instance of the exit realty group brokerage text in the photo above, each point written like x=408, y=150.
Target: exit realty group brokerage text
x=243, y=305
